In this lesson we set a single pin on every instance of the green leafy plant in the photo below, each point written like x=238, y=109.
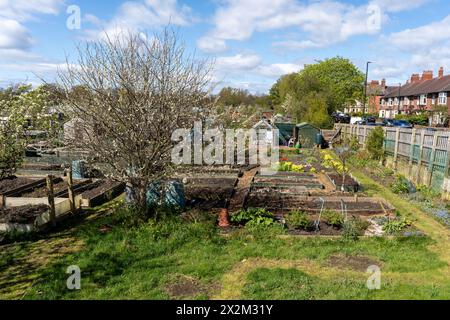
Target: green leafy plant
x=333, y=218
x=259, y=222
x=396, y=225
x=428, y=193
x=375, y=142
x=401, y=185
x=354, y=228
x=252, y=215
x=298, y=220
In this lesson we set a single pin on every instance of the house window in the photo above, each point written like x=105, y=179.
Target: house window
x=391, y=102
x=423, y=100
x=406, y=101
x=443, y=98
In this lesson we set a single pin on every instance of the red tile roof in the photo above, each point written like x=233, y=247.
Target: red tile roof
x=435, y=85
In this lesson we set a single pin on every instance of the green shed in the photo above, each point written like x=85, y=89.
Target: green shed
x=307, y=134
x=286, y=131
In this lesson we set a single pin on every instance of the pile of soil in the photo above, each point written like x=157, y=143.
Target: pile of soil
x=183, y=287
x=24, y=214
x=102, y=187
x=12, y=183
x=357, y=263
x=324, y=230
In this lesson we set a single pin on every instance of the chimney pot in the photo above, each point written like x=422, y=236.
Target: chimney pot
x=427, y=75
x=441, y=72
x=383, y=83
x=415, y=78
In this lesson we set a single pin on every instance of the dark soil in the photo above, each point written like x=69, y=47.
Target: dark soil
x=278, y=202
x=42, y=192
x=42, y=167
x=101, y=188
x=208, y=192
x=24, y=214
x=184, y=287
x=12, y=183
x=348, y=183
x=324, y=230
x=357, y=263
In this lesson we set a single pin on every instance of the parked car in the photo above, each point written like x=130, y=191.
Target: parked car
x=398, y=123
x=370, y=119
x=388, y=122
x=339, y=117
x=403, y=124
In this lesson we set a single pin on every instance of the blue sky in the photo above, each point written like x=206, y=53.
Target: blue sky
x=252, y=41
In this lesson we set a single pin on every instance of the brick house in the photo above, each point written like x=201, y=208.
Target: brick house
x=420, y=94
x=375, y=91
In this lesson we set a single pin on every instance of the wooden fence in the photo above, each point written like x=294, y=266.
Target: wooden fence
x=420, y=147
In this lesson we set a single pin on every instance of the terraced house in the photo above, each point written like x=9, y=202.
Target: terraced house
x=420, y=94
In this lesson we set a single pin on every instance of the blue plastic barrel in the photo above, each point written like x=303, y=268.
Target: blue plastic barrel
x=174, y=194
x=78, y=169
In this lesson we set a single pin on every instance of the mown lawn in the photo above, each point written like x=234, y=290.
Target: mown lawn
x=175, y=259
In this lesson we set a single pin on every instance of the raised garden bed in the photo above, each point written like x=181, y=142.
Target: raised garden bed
x=350, y=184
x=324, y=230
x=102, y=192
x=12, y=183
x=279, y=203
x=22, y=215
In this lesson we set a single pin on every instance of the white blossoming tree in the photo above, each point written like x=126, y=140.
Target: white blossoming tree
x=130, y=93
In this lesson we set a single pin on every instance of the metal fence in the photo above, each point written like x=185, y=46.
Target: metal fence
x=418, y=146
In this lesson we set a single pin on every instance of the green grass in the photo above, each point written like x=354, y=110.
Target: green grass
x=292, y=284
x=175, y=259
x=142, y=262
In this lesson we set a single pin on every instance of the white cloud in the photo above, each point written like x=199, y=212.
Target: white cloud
x=138, y=15
x=415, y=50
x=211, y=44
x=319, y=24
x=277, y=69
x=399, y=5
x=16, y=40
x=247, y=70
x=238, y=62
x=23, y=10
x=423, y=37
x=13, y=13
x=14, y=35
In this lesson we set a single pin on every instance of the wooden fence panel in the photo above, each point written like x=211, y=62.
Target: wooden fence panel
x=417, y=146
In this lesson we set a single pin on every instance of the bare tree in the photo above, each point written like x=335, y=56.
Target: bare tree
x=129, y=94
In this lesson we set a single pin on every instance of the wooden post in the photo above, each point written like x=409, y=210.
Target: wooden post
x=51, y=199
x=365, y=136
x=432, y=159
x=447, y=166
x=411, y=151
x=397, y=142
x=419, y=161
x=70, y=190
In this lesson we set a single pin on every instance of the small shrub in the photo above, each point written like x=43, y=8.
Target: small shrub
x=354, y=228
x=259, y=222
x=298, y=220
x=428, y=193
x=333, y=218
x=251, y=214
x=401, y=185
x=375, y=142
x=395, y=226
